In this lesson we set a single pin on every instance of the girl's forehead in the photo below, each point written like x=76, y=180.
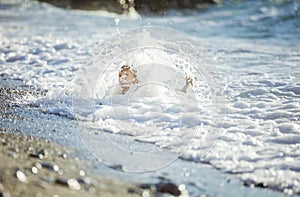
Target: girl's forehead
x=125, y=70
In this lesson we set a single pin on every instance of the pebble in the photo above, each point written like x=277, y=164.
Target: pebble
x=183, y=190
x=30, y=148
x=71, y=183
x=63, y=155
x=21, y=176
x=34, y=170
x=169, y=188
x=40, y=154
x=146, y=194
x=117, y=167
x=50, y=166
x=35, y=155
x=4, y=142
x=44, y=152
x=82, y=173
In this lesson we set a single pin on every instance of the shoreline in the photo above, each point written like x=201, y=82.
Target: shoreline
x=35, y=161
x=31, y=166
x=33, y=139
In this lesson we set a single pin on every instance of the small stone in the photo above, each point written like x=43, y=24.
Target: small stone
x=169, y=188
x=146, y=194
x=50, y=166
x=183, y=190
x=82, y=173
x=117, y=167
x=44, y=152
x=55, y=168
x=73, y=184
x=263, y=185
x=36, y=155
x=63, y=155
x=4, y=142
x=288, y=191
x=21, y=176
x=34, y=170
x=40, y=154
x=30, y=148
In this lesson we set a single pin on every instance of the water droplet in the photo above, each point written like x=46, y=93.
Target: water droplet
x=117, y=21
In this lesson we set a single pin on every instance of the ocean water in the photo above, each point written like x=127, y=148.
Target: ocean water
x=242, y=116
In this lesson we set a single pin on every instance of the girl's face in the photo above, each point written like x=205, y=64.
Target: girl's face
x=126, y=76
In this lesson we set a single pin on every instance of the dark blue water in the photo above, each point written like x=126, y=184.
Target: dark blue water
x=256, y=20
x=277, y=20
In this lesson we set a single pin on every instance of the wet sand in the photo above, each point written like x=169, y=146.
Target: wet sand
x=37, y=167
